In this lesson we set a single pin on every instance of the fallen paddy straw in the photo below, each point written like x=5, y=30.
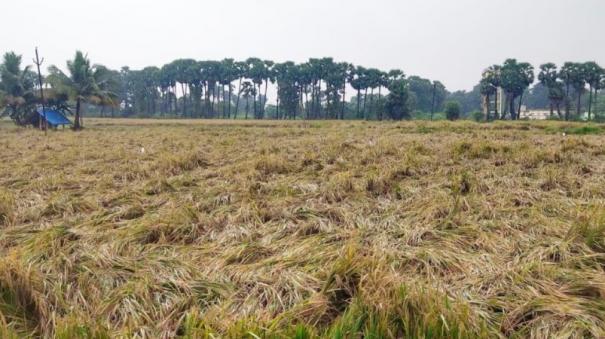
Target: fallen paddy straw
x=303, y=229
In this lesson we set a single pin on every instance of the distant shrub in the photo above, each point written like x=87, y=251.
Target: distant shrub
x=584, y=130
x=452, y=110
x=477, y=116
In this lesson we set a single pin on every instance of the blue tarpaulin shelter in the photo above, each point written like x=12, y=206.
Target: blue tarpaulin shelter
x=54, y=118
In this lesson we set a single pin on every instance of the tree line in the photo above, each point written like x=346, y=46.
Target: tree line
x=562, y=86
x=229, y=89
x=320, y=88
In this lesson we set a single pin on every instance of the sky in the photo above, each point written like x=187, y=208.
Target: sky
x=447, y=40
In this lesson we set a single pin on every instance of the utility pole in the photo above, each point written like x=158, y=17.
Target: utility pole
x=38, y=63
x=433, y=103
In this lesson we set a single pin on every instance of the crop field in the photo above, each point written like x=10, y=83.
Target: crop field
x=266, y=229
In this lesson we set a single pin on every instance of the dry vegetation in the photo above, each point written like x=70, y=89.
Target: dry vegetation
x=303, y=229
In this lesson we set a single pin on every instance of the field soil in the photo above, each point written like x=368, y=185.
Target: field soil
x=142, y=228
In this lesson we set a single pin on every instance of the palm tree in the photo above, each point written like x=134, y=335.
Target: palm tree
x=549, y=78
x=240, y=71
x=593, y=74
x=248, y=89
x=357, y=81
x=17, y=88
x=374, y=81
x=572, y=75
x=85, y=83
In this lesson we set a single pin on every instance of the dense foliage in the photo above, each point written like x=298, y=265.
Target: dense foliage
x=565, y=86
x=320, y=88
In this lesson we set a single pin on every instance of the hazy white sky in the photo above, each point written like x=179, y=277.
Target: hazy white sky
x=447, y=40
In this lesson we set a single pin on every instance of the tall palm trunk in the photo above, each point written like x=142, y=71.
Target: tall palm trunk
x=358, y=103
x=596, y=94
x=254, y=102
x=307, y=102
x=590, y=104
x=579, y=104
x=77, y=121
x=372, y=102
x=313, y=100
x=487, y=98
x=344, y=100
x=496, y=105
x=265, y=98
x=184, y=99
x=239, y=94
x=365, y=100
x=248, y=106
x=567, y=103
x=520, y=106
x=511, y=103
x=230, y=98
x=212, y=109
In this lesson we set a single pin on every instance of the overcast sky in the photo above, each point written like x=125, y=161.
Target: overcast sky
x=447, y=40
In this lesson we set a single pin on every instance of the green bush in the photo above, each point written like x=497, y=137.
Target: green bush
x=452, y=110
x=477, y=116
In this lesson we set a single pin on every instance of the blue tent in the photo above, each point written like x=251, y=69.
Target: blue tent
x=54, y=118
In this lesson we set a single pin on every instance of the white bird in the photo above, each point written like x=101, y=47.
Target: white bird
x=142, y=150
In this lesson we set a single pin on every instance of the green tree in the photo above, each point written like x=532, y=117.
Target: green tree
x=593, y=76
x=17, y=88
x=491, y=81
x=549, y=78
x=573, y=76
x=288, y=90
x=397, y=105
x=452, y=110
x=516, y=78
x=240, y=70
x=357, y=79
x=84, y=83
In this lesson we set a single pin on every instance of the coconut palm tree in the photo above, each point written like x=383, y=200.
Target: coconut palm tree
x=84, y=83
x=17, y=88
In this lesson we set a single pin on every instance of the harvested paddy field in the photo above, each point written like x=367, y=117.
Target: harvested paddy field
x=303, y=229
